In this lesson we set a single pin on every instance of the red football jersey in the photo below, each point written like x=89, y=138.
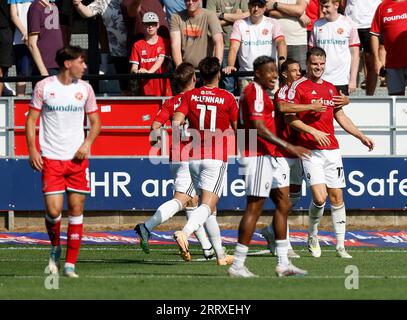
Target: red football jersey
x=255, y=104
x=390, y=21
x=145, y=55
x=166, y=113
x=305, y=91
x=209, y=111
x=283, y=130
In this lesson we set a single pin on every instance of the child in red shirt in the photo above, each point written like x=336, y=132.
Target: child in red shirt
x=148, y=56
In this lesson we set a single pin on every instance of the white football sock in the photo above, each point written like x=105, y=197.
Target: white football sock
x=315, y=214
x=240, y=255
x=339, y=222
x=197, y=219
x=282, y=251
x=200, y=234
x=213, y=231
x=163, y=213
x=288, y=238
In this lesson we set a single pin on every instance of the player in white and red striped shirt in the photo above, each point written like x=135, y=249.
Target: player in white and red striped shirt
x=61, y=102
x=338, y=36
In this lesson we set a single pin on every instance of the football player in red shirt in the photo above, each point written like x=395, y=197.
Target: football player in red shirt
x=264, y=176
x=324, y=169
x=185, y=195
x=211, y=112
x=289, y=72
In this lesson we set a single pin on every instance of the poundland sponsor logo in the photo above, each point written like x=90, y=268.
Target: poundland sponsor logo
x=68, y=108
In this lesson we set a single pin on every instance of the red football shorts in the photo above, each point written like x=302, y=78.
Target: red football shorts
x=59, y=176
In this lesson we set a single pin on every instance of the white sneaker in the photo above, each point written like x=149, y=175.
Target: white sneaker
x=291, y=254
x=271, y=240
x=54, y=260
x=313, y=246
x=70, y=272
x=341, y=253
x=209, y=254
x=289, y=270
x=242, y=272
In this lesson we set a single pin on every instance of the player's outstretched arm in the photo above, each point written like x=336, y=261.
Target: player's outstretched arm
x=321, y=137
x=35, y=158
x=95, y=127
x=346, y=123
x=286, y=107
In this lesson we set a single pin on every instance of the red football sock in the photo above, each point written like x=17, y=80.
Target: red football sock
x=53, y=226
x=75, y=230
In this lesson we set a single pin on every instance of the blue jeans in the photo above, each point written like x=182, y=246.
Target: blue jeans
x=227, y=83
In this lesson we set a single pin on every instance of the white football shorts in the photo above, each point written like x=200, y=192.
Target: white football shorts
x=209, y=175
x=296, y=171
x=324, y=167
x=263, y=173
x=182, y=178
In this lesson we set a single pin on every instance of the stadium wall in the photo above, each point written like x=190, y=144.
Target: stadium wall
x=128, y=183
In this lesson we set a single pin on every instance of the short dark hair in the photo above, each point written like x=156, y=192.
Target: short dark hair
x=209, y=67
x=184, y=73
x=316, y=51
x=259, y=61
x=284, y=68
x=68, y=53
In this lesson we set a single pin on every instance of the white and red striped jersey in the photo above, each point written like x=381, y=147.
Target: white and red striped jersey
x=63, y=109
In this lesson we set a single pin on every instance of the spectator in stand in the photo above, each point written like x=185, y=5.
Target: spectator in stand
x=338, y=36
x=313, y=13
x=172, y=6
x=361, y=12
x=293, y=21
x=149, y=55
x=228, y=12
x=18, y=12
x=134, y=10
x=111, y=13
x=6, y=41
x=253, y=37
x=66, y=12
x=44, y=37
x=195, y=34
x=390, y=21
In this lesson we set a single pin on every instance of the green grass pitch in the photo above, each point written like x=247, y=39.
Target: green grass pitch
x=125, y=272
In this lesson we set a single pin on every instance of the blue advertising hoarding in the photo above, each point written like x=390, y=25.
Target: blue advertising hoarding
x=140, y=184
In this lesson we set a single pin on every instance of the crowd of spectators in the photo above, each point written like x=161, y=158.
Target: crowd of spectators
x=154, y=36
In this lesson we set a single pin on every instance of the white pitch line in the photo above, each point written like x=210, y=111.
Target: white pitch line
x=251, y=252
x=183, y=276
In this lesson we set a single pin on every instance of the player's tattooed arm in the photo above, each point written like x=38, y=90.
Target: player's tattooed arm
x=266, y=134
x=321, y=137
x=346, y=123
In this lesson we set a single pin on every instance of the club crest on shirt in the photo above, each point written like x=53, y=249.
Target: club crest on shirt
x=52, y=95
x=390, y=10
x=143, y=52
x=265, y=32
x=79, y=96
x=331, y=92
x=339, y=31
